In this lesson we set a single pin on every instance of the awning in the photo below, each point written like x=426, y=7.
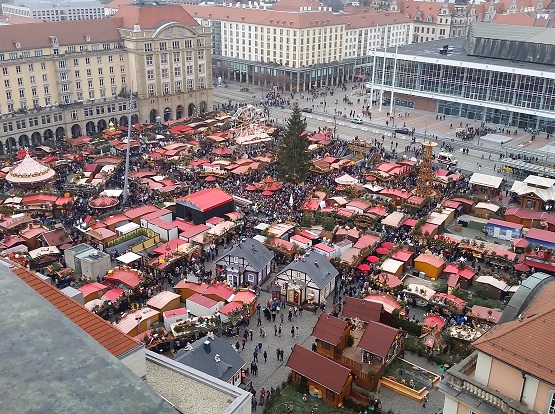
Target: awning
x=128, y=257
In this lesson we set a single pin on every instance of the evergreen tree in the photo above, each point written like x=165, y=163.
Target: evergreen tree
x=292, y=152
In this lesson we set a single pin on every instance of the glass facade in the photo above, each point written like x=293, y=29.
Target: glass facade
x=486, y=86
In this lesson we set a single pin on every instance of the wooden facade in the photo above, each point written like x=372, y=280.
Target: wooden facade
x=325, y=394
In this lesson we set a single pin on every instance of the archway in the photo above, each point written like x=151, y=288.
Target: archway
x=134, y=119
x=167, y=114
x=23, y=141
x=202, y=107
x=124, y=120
x=191, y=109
x=11, y=145
x=179, y=112
x=76, y=130
x=102, y=125
x=90, y=128
x=60, y=133
x=1, y=148
x=153, y=115
x=48, y=134
x=36, y=138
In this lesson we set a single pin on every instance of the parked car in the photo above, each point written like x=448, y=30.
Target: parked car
x=404, y=131
x=356, y=121
x=307, y=109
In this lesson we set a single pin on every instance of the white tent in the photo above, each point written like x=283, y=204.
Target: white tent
x=346, y=179
x=128, y=257
x=127, y=228
x=112, y=193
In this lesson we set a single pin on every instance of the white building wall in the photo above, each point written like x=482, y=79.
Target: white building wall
x=450, y=406
x=483, y=368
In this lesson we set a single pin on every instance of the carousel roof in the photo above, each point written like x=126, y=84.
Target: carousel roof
x=269, y=184
x=103, y=202
x=30, y=171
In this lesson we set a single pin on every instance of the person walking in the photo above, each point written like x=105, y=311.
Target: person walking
x=255, y=354
x=275, y=330
x=296, y=331
x=279, y=331
x=277, y=353
x=292, y=332
x=265, y=355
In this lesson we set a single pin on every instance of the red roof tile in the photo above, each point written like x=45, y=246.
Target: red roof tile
x=220, y=291
x=140, y=211
x=378, y=338
x=196, y=287
x=202, y=301
x=111, y=338
x=318, y=368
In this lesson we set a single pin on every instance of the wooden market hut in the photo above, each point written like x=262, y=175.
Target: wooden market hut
x=326, y=379
x=331, y=334
x=187, y=289
x=430, y=265
x=164, y=301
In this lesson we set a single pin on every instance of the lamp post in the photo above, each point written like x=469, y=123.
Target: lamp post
x=128, y=148
x=335, y=121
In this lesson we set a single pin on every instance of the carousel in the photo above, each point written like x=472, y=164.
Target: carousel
x=269, y=184
x=101, y=203
x=30, y=173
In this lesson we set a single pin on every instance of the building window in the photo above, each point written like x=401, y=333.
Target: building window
x=149, y=60
x=551, y=409
x=164, y=58
x=325, y=345
x=150, y=74
x=175, y=44
x=330, y=395
x=148, y=47
x=5, y=71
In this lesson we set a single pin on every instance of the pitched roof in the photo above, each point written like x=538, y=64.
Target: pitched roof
x=541, y=235
x=362, y=309
x=56, y=237
x=115, y=341
x=207, y=199
x=204, y=358
x=378, y=338
x=526, y=343
x=318, y=368
x=316, y=266
x=329, y=328
x=68, y=32
x=254, y=253
x=295, y=19
x=162, y=299
x=152, y=17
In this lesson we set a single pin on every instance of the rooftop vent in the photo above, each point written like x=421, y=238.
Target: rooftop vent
x=207, y=347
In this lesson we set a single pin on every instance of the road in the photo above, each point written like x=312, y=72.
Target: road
x=467, y=163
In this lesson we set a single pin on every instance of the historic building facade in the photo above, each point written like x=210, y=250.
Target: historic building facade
x=73, y=78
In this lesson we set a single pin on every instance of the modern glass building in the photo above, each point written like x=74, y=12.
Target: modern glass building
x=468, y=78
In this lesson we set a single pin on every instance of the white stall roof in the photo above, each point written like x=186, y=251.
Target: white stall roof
x=128, y=257
x=127, y=228
x=485, y=180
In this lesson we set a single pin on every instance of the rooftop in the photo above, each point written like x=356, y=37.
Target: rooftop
x=526, y=343
x=378, y=338
x=430, y=50
x=362, y=309
x=85, y=374
x=329, y=329
x=318, y=368
x=255, y=254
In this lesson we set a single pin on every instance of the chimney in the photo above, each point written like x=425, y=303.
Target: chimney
x=207, y=347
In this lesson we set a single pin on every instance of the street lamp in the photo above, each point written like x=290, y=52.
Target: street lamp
x=131, y=104
x=335, y=121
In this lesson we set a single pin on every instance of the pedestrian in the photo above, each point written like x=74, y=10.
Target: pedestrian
x=292, y=332
x=281, y=317
x=277, y=353
x=244, y=341
x=259, y=321
x=250, y=332
x=296, y=331
x=265, y=355
x=279, y=331
x=254, y=404
x=237, y=346
x=300, y=311
x=281, y=352
x=275, y=330
x=424, y=401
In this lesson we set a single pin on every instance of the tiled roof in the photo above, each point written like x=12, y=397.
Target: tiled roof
x=329, y=329
x=526, y=344
x=318, y=368
x=102, y=331
x=151, y=17
x=295, y=19
x=362, y=309
x=68, y=33
x=378, y=338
